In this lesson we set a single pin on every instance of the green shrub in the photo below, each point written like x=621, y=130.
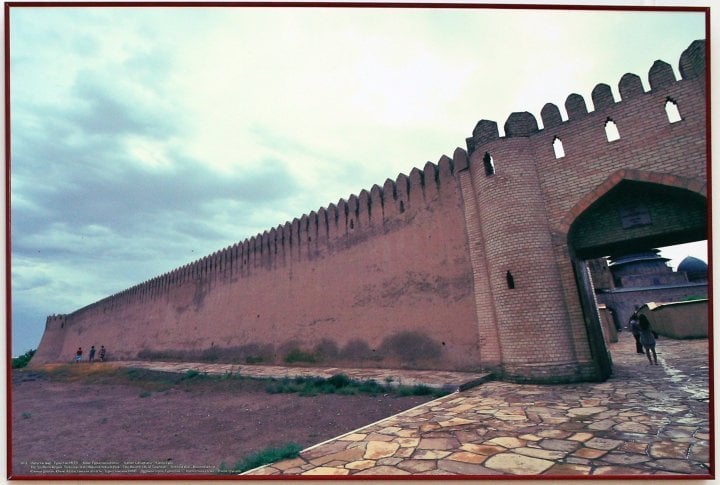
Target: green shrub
x=193, y=374
x=345, y=386
x=416, y=390
x=264, y=457
x=348, y=391
x=308, y=390
x=371, y=387
x=148, y=380
x=339, y=380
x=279, y=386
x=134, y=374
x=23, y=360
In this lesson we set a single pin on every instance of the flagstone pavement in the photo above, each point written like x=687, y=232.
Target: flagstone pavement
x=645, y=420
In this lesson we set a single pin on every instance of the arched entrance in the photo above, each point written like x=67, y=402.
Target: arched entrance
x=632, y=216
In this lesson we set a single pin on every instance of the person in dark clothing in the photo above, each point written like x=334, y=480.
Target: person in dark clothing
x=634, y=327
x=647, y=338
x=91, y=355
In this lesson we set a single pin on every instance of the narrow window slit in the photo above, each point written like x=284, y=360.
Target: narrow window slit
x=489, y=164
x=510, y=280
x=558, y=147
x=611, y=130
x=672, y=111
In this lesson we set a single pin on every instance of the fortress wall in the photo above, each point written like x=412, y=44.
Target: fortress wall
x=650, y=149
x=460, y=264
x=53, y=337
x=386, y=273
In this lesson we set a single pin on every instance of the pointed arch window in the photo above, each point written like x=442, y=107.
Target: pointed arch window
x=558, y=147
x=611, y=130
x=489, y=164
x=672, y=111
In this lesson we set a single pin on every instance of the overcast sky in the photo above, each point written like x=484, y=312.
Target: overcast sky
x=145, y=138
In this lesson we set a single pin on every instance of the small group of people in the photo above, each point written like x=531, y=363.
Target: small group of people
x=91, y=354
x=644, y=335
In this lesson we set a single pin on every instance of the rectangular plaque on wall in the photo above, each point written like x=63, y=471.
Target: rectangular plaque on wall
x=635, y=216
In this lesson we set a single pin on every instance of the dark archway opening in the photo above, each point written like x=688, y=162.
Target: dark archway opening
x=625, y=227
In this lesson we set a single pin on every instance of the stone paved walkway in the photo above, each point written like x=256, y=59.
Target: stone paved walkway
x=645, y=420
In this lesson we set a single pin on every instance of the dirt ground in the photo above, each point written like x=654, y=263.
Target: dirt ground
x=92, y=427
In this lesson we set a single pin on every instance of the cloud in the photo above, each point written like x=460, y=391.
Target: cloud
x=97, y=111
x=133, y=198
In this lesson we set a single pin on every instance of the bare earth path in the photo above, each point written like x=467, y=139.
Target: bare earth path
x=56, y=426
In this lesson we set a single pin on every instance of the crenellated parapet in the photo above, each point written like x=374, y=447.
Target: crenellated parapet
x=55, y=322
x=328, y=228
x=660, y=76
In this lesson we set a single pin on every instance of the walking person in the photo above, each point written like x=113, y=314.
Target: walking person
x=78, y=355
x=91, y=355
x=647, y=338
x=102, y=353
x=634, y=327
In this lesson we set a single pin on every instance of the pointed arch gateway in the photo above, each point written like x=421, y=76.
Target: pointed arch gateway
x=632, y=211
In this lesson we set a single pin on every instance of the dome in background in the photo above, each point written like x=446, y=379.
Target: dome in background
x=695, y=268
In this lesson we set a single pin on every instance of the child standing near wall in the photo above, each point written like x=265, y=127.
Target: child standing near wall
x=647, y=339
x=78, y=354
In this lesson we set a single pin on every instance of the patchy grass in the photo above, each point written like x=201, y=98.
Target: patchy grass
x=263, y=457
x=156, y=381
x=343, y=385
x=146, y=380
x=416, y=390
x=90, y=373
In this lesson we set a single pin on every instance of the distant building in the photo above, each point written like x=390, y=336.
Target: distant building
x=696, y=269
x=625, y=282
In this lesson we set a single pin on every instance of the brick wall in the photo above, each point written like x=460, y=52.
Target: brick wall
x=367, y=282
